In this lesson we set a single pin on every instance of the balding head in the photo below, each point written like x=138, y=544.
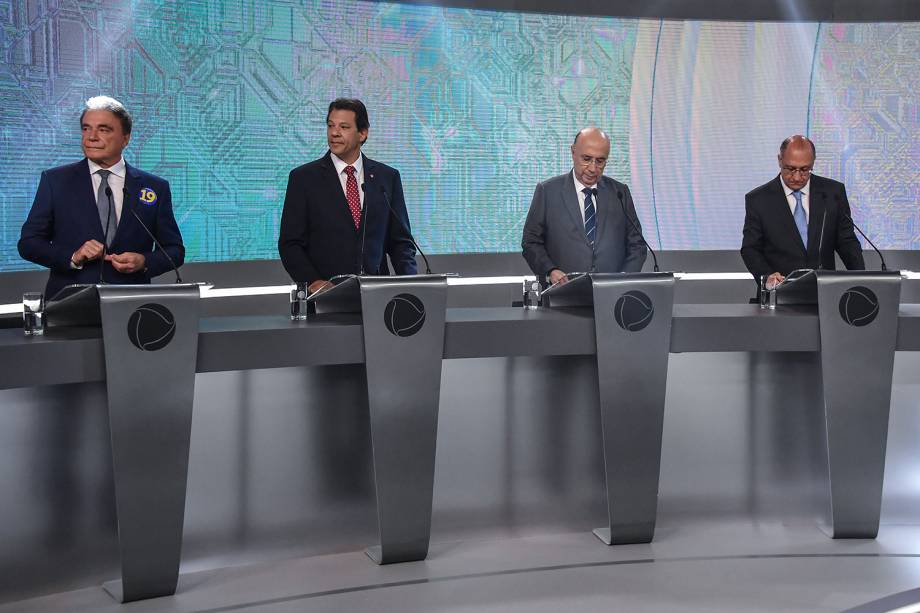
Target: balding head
x=796, y=159
x=589, y=155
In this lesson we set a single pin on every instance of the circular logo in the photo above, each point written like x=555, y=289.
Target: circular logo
x=633, y=311
x=859, y=306
x=151, y=327
x=404, y=315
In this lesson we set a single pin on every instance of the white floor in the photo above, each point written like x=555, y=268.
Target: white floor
x=712, y=566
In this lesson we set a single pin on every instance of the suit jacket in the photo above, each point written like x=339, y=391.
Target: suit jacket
x=554, y=232
x=318, y=238
x=64, y=216
x=771, y=242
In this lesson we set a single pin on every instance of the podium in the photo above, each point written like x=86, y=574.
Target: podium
x=150, y=339
x=403, y=329
x=858, y=318
x=632, y=325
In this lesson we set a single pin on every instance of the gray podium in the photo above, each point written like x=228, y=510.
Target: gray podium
x=150, y=341
x=632, y=327
x=403, y=331
x=858, y=318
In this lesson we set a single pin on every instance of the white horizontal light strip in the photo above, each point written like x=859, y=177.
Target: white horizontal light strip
x=267, y=290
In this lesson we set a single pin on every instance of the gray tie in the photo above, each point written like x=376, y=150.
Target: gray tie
x=106, y=208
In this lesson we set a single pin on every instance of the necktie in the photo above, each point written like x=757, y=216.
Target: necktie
x=106, y=212
x=351, y=193
x=590, y=217
x=800, y=221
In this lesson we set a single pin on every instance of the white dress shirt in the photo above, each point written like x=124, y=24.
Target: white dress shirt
x=343, y=176
x=581, y=195
x=116, y=182
x=791, y=199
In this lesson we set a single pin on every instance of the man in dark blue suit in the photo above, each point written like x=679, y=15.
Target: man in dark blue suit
x=342, y=206
x=81, y=225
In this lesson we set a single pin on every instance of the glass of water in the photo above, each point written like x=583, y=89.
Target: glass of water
x=767, y=296
x=531, y=293
x=299, y=302
x=33, y=309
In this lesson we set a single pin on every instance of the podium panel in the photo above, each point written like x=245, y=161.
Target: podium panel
x=632, y=324
x=150, y=339
x=858, y=316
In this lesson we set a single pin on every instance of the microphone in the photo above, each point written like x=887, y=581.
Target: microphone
x=364, y=230
x=636, y=228
x=858, y=229
x=406, y=228
x=821, y=236
x=105, y=232
x=127, y=204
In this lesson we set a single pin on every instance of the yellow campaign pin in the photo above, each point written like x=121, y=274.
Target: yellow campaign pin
x=148, y=196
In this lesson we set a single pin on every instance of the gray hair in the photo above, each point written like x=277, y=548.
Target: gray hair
x=105, y=103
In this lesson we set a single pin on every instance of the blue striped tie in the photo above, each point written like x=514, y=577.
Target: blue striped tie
x=590, y=217
x=800, y=222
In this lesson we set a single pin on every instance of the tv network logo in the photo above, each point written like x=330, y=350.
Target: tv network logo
x=151, y=327
x=859, y=306
x=634, y=311
x=404, y=315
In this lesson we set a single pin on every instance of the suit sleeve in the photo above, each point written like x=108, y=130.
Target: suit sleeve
x=533, y=241
x=293, y=242
x=35, y=241
x=168, y=235
x=847, y=244
x=635, y=248
x=399, y=242
x=752, y=241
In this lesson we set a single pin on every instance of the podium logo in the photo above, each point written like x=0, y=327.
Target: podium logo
x=633, y=311
x=151, y=327
x=404, y=315
x=859, y=306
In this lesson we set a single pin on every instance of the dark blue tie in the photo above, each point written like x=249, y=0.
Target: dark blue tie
x=590, y=216
x=800, y=221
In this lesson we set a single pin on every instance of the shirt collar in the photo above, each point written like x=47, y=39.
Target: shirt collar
x=788, y=190
x=579, y=186
x=340, y=164
x=118, y=169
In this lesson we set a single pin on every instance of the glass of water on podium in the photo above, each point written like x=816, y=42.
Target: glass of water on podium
x=33, y=310
x=299, y=302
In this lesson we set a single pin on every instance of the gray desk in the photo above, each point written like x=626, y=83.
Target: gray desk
x=242, y=343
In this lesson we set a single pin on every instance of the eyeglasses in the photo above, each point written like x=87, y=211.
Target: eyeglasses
x=789, y=170
x=599, y=162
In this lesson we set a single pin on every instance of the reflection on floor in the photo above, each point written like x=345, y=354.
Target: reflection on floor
x=702, y=566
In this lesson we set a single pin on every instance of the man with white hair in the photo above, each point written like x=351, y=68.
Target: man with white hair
x=92, y=220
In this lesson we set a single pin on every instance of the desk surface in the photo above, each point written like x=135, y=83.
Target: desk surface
x=242, y=343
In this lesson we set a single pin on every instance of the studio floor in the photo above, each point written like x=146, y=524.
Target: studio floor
x=731, y=565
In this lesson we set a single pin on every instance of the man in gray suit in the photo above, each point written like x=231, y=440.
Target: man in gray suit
x=577, y=221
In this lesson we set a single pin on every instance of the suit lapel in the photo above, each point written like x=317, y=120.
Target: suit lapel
x=779, y=196
x=333, y=186
x=131, y=193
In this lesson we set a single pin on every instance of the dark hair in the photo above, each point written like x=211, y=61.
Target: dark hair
x=351, y=104
x=788, y=141
x=104, y=103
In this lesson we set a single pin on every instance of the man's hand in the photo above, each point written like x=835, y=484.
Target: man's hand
x=773, y=280
x=127, y=262
x=318, y=285
x=89, y=251
x=557, y=276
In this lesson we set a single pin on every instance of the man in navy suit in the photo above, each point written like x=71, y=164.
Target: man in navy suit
x=797, y=220
x=344, y=205
x=578, y=221
x=81, y=224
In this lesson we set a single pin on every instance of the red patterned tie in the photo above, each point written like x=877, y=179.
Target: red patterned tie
x=351, y=192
